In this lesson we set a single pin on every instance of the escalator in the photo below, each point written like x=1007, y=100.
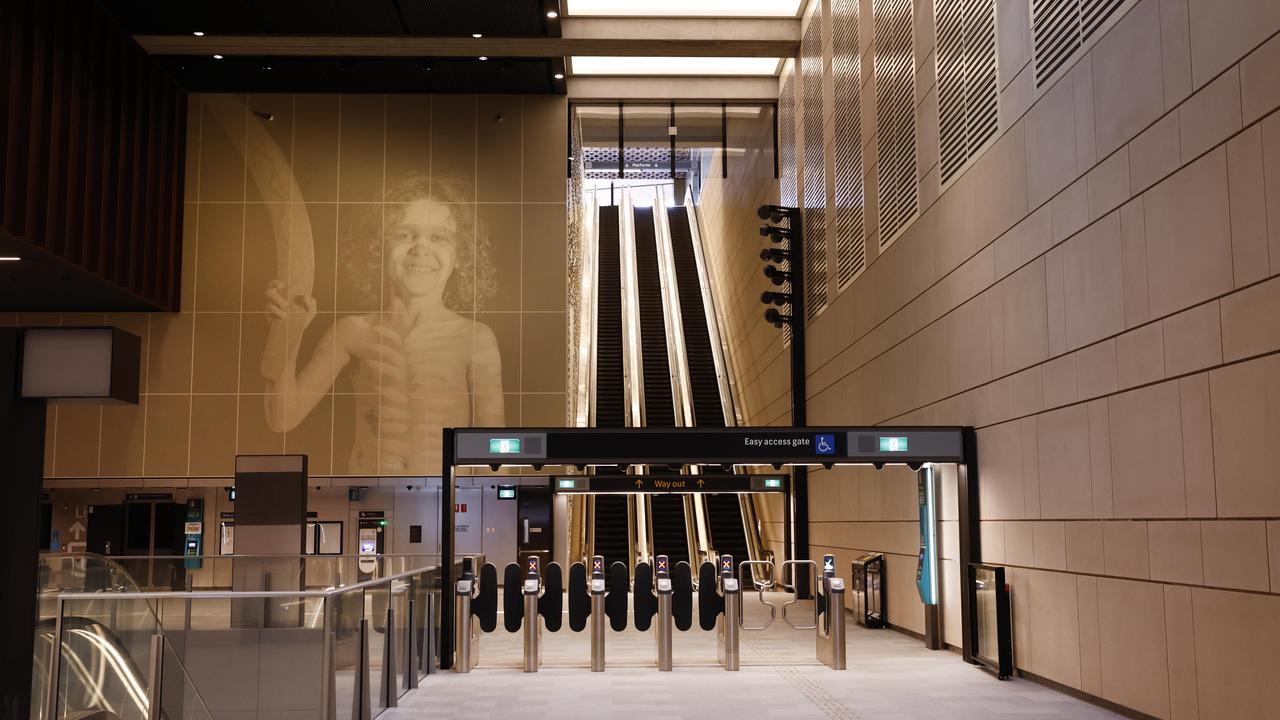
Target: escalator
x=669, y=529
x=610, y=520
x=724, y=511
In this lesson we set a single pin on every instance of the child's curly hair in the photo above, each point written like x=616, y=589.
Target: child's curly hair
x=472, y=278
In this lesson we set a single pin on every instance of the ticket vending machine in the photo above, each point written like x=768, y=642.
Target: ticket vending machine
x=927, y=561
x=193, y=535
x=370, y=541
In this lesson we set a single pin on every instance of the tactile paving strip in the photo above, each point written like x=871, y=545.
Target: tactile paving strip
x=823, y=700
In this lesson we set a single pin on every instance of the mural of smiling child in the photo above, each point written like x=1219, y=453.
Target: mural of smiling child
x=417, y=366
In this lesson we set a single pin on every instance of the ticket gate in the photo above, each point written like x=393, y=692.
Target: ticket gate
x=532, y=592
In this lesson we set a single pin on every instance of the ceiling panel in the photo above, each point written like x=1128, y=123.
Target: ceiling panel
x=331, y=17
x=375, y=75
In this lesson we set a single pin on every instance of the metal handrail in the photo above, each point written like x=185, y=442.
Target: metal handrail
x=792, y=588
x=232, y=595
x=761, y=586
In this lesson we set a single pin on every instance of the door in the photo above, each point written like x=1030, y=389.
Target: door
x=106, y=530
x=533, y=517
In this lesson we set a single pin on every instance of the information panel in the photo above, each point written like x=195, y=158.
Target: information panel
x=667, y=483
x=707, y=446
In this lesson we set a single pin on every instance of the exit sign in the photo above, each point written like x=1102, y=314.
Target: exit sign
x=773, y=482
x=504, y=446
x=893, y=444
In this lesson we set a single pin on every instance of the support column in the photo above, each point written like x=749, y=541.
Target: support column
x=22, y=429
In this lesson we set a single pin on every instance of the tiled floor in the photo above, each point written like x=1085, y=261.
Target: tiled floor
x=890, y=677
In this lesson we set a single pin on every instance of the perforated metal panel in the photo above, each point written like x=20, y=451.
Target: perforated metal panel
x=1060, y=27
x=787, y=138
x=789, y=191
x=895, y=115
x=815, y=175
x=846, y=74
x=968, y=115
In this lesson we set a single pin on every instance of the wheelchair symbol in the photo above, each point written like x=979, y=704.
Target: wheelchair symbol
x=825, y=444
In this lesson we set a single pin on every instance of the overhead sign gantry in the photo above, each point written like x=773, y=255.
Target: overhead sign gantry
x=553, y=450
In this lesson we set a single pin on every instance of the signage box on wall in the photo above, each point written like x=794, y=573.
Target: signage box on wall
x=80, y=363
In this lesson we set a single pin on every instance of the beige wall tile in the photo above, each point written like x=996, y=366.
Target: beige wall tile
x=1070, y=210
x=219, y=244
x=315, y=147
x=1175, y=551
x=1271, y=169
x=76, y=445
x=453, y=139
x=1059, y=377
x=360, y=257
x=1192, y=340
x=215, y=359
x=499, y=120
x=1065, y=482
x=253, y=436
x=1219, y=39
x=1197, y=445
x=1090, y=642
x=167, y=436
x=1235, y=553
x=169, y=354
x=1209, y=116
x=501, y=221
x=1140, y=356
x=1133, y=259
x=1055, y=627
x=1147, y=467
x=992, y=532
x=1135, y=668
x=543, y=409
x=1092, y=271
x=1273, y=552
x=1124, y=549
x=213, y=422
x=1236, y=637
x=1026, y=333
x=1249, y=251
x=1013, y=33
x=1188, y=236
x=408, y=136
x=1180, y=635
x=1049, y=544
x=1084, y=547
x=222, y=161
x=542, y=372
x=545, y=148
x=1016, y=97
x=191, y=179
x=1051, y=143
x=1154, y=154
x=1096, y=369
x=1100, y=458
x=1175, y=46
x=1030, y=467
x=123, y=427
x=1019, y=539
x=1056, y=300
x=543, y=257
x=1086, y=141
x=362, y=148
x=1260, y=80
x=271, y=145
x=1108, y=183
x=314, y=438
x=1251, y=321
x=1003, y=165
x=1129, y=95
x=1245, y=424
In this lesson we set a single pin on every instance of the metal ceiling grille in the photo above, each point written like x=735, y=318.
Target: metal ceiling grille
x=815, y=168
x=968, y=115
x=846, y=75
x=1060, y=27
x=895, y=115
